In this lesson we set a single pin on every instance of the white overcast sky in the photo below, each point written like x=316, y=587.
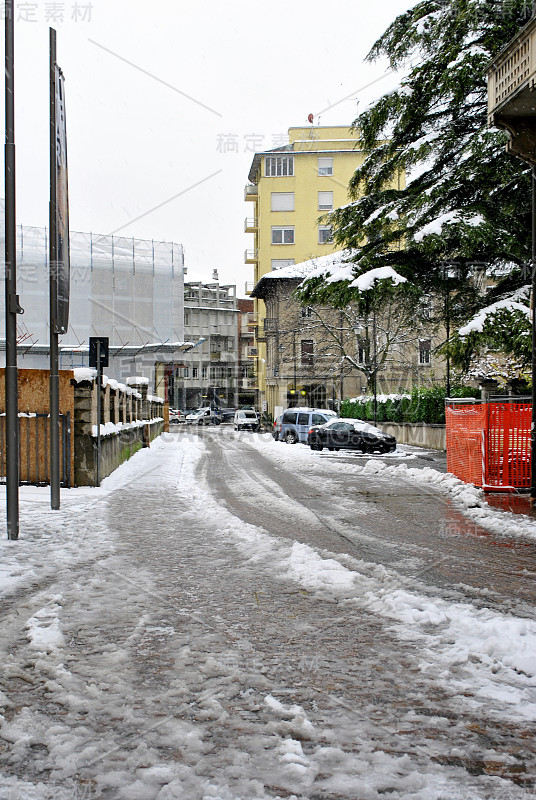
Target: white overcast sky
x=165, y=101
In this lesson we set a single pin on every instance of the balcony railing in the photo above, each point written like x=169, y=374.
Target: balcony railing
x=250, y=225
x=249, y=286
x=251, y=192
x=250, y=257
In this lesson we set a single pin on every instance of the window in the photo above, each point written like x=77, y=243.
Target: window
x=306, y=352
x=279, y=166
x=426, y=307
x=325, y=234
x=186, y=318
x=282, y=201
x=325, y=201
x=186, y=372
x=289, y=418
x=303, y=419
x=282, y=235
x=306, y=311
x=325, y=166
x=212, y=373
x=361, y=354
x=279, y=263
x=204, y=372
x=195, y=372
x=425, y=347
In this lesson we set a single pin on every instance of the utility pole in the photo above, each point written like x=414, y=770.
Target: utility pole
x=12, y=300
x=54, y=378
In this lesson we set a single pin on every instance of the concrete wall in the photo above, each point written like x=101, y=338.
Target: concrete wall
x=419, y=434
x=124, y=407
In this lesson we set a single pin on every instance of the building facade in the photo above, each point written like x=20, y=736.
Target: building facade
x=291, y=188
x=208, y=373
x=317, y=356
x=247, y=378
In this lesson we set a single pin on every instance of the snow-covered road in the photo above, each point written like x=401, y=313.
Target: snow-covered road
x=155, y=644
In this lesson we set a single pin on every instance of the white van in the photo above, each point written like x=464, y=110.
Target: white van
x=295, y=423
x=203, y=416
x=246, y=419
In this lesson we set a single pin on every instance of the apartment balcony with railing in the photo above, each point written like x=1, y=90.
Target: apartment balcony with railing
x=511, y=81
x=250, y=225
x=251, y=256
x=251, y=191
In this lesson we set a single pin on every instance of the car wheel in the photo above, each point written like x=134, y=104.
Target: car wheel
x=319, y=446
x=290, y=437
x=312, y=445
x=331, y=449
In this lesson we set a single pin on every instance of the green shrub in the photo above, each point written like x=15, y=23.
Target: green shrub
x=424, y=404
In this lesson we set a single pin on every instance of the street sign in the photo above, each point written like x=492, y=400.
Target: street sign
x=104, y=353
x=61, y=269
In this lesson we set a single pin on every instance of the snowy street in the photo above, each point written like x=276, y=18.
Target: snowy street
x=231, y=618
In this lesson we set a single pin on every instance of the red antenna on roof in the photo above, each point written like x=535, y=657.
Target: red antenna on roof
x=310, y=118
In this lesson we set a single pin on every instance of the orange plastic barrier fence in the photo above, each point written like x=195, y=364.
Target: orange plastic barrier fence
x=488, y=444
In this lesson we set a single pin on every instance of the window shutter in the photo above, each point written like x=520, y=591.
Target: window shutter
x=325, y=165
x=325, y=201
x=282, y=201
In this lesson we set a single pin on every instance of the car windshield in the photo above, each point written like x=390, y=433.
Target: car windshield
x=248, y=414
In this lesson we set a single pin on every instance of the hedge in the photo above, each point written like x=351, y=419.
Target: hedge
x=424, y=404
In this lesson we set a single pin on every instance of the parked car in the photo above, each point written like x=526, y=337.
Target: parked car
x=276, y=428
x=176, y=416
x=203, y=416
x=350, y=434
x=296, y=422
x=227, y=414
x=246, y=419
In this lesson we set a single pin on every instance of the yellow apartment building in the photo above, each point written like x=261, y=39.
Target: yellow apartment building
x=290, y=189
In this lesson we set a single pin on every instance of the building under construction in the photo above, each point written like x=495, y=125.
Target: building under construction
x=130, y=290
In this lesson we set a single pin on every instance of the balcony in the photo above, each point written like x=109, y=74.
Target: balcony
x=249, y=286
x=253, y=352
x=271, y=326
x=259, y=334
x=250, y=225
x=250, y=257
x=251, y=192
x=511, y=82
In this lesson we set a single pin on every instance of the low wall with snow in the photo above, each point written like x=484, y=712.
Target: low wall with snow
x=130, y=419
x=418, y=434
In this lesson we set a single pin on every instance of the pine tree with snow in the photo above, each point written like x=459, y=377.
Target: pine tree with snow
x=464, y=208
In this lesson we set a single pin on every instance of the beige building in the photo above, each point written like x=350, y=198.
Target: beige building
x=317, y=356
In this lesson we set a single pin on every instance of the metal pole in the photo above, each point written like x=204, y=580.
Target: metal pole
x=533, y=315
x=54, y=379
x=447, y=327
x=99, y=384
x=12, y=303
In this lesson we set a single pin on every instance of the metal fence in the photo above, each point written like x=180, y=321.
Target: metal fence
x=34, y=449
